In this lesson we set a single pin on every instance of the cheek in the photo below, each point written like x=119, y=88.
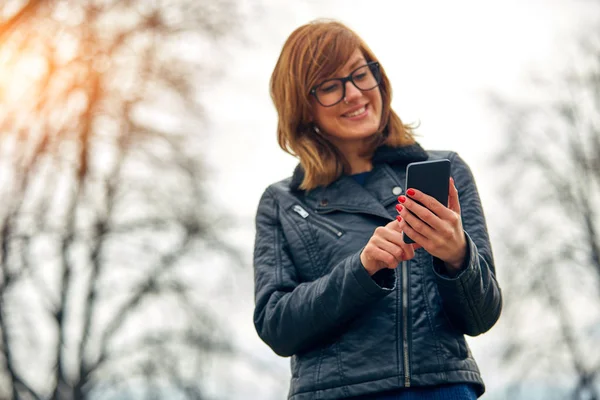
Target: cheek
x=377, y=99
x=326, y=117
x=378, y=106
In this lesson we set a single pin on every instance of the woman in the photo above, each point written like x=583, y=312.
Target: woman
x=360, y=312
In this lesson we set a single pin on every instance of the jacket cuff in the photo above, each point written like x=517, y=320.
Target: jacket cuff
x=466, y=272
x=380, y=284
x=385, y=278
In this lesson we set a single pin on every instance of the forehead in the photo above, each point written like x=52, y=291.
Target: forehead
x=332, y=55
x=356, y=60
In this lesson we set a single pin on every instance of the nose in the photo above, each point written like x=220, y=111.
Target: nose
x=352, y=92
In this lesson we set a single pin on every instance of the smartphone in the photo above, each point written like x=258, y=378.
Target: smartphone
x=430, y=177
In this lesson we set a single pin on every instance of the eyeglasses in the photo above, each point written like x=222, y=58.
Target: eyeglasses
x=332, y=91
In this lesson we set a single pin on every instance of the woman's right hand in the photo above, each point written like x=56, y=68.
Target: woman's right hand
x=386, y=249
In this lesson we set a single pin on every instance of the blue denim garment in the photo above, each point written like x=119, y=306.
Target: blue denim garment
x=460, y=391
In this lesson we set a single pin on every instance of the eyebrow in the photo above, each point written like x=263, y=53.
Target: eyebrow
x=352, y=66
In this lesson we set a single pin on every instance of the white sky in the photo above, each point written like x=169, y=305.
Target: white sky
x=442, y=57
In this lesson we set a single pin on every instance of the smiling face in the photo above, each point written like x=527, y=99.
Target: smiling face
x=349, y=123
x=312, y=54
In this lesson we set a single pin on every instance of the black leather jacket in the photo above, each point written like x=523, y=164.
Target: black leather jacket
x=352, y=334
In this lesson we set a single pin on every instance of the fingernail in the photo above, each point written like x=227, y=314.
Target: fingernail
x=401, y=199
x=399, y=218
x=398, y=207
x=410, y=192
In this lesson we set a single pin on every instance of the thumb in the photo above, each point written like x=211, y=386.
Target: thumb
x=453, y=203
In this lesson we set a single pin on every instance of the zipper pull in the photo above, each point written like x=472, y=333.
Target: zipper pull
x=301, y=211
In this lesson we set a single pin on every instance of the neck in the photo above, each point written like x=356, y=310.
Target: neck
x=359, y=164
x=356, y=158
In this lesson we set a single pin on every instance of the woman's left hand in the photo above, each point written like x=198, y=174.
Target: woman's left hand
x=438, y=229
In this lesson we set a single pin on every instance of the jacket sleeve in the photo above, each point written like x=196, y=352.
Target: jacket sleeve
x=472, y=300
x=292, y=316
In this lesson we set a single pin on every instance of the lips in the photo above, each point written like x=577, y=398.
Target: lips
x=355, y=111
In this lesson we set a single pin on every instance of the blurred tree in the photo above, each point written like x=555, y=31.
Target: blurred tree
x=550, y=166
x=103, y=216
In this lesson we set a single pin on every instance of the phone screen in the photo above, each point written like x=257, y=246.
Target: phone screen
x=430, y=177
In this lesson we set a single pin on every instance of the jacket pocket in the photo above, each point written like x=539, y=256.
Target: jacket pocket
x=455, y=340
x=463, y=351
x=318, y=221
x=315, y=369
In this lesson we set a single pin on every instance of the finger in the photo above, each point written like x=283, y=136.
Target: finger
x=400, y=250
x=395, y=225
x=380, y=255
x=417, y=224
x=428, y=202
x=409, y=251
x=395, y=245
x=396, y=251
x=391, y=232
x=419, y=239
x=412, y=209
x=453, y=203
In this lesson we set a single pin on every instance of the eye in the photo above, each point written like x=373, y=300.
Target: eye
x=360, y=77
x=329, y=87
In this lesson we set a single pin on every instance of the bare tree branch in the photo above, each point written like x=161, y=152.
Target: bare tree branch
x=554, y=254
x=92, y=167
x=7, y=27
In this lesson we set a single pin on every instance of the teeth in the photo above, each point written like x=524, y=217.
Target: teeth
x=357, y=112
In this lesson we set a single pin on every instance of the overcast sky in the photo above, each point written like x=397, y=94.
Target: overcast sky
x=443, y=59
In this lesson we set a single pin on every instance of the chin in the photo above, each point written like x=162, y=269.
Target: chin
x=365, y=133
x=360, y=135
x=355, y=132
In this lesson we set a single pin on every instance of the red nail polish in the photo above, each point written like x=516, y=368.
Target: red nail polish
x=399, y=218
x=401, y=199
x=410, y=192
x=398, y=207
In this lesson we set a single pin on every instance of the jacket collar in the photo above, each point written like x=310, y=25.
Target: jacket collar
x=383, y=155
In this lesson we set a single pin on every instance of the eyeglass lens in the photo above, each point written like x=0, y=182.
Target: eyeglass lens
x=332, y=91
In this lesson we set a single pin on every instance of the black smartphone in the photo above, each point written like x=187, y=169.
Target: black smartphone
x=430, y=177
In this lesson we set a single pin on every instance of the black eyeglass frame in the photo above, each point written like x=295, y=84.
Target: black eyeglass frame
x=370, y=64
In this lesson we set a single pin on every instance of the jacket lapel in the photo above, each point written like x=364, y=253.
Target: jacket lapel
x=346, y=195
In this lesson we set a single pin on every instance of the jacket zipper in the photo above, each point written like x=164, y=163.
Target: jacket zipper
x=304, y=214
x=353, y=210
x=345, y=209
x=405, y=322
